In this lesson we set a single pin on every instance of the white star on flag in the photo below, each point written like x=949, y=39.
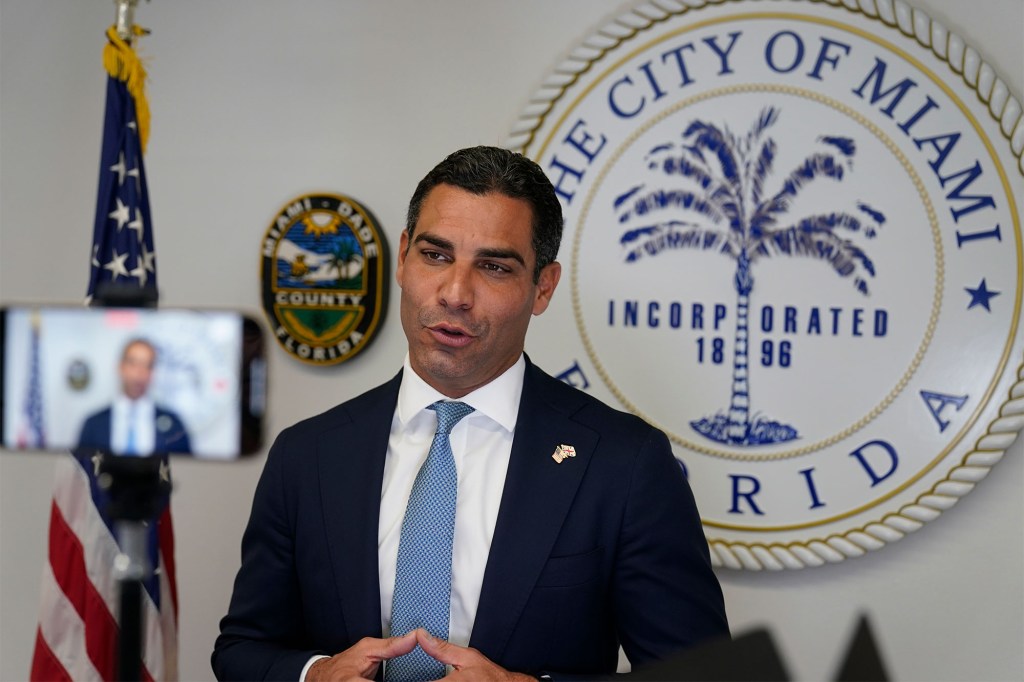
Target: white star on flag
x=134, y=173
x=120, y=214
x=137, y=225
x=148, y=258
x=119, y=168
x=139, y=271
x=116, y=265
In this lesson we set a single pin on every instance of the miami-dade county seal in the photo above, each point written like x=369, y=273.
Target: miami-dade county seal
x=793, y=242
x=324, y=277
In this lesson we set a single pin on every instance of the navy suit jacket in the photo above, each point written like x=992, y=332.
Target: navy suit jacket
x=602, y=549
x=171, y=435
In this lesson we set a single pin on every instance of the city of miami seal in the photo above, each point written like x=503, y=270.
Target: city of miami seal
x=324, y=278
x=793, y=243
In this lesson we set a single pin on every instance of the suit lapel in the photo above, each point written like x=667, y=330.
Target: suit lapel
x=350, y=464
x=537, y=496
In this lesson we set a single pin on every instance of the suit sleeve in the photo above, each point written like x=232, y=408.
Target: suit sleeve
x=93, y=435
x=262, y=633
x=666, y=596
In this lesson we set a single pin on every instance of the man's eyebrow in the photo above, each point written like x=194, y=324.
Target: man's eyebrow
x=439, y=242
x=447, y=245
x=501, y=254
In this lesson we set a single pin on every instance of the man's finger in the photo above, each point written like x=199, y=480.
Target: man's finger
x=438, y=649
x=392, y=646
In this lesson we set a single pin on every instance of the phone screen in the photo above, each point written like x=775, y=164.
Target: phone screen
x=132, y=381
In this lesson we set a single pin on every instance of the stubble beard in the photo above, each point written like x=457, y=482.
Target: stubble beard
x=445, y=362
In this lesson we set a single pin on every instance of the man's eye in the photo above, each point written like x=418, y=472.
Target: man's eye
x=495, y=267
x=433, y=255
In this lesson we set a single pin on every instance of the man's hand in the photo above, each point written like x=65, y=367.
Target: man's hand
x=469, y=664
x=361, y=660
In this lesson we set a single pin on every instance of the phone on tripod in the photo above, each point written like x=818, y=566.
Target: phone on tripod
x=132, y=381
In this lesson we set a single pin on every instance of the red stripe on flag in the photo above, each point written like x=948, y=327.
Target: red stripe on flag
x=166, y=539
x=68, y=562
x=46, y=666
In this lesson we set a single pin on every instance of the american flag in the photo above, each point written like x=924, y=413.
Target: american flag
x=122, y=237
x=32, y=434
x=78, y=628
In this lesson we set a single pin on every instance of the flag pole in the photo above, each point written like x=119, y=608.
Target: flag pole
x=125, y=18
x=133, y=484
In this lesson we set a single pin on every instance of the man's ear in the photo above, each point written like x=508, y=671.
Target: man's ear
x=546, y=284
x=403, y=249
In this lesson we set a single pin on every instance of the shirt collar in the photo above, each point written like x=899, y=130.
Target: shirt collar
x=497, y=399
x=128, y=406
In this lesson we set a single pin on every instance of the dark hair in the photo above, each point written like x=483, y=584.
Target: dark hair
x=481, y=170
x=137, y=341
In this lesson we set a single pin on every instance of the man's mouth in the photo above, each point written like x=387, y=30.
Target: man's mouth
x=450, y=335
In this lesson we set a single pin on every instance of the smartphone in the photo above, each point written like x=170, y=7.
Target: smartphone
x=132, y=381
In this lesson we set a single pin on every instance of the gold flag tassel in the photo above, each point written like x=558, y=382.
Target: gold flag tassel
x=121, y=62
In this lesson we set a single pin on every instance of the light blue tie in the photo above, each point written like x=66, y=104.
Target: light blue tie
x=423, y=575
x=129, y=446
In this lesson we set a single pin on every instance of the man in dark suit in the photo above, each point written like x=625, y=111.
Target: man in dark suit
x=133, y=424
x=574, y=528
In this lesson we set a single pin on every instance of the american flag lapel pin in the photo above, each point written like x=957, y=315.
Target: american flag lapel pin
x=562, y=452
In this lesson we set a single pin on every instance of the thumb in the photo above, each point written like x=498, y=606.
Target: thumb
x=438, y=649
x=398, y=646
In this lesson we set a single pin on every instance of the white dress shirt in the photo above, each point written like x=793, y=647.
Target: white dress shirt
x=138, y=416
x=481, y=445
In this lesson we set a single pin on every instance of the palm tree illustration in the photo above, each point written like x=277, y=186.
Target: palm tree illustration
x=343, y=254
x=711, y=195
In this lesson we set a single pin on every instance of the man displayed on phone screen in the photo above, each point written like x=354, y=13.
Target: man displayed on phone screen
x=133, y=424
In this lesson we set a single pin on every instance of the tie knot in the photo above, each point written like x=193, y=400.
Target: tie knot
x=449, y=414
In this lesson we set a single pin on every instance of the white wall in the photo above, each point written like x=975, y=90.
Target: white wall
x=257, y=101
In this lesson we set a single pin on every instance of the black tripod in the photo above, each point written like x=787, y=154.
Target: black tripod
x=135, y=486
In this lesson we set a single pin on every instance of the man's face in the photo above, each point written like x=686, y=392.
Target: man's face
x=467, y=287
x=136, y=370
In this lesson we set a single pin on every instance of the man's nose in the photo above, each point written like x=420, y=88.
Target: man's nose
x=457, y=286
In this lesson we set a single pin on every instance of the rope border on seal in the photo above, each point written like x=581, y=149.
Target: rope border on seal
x=1003, y=106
